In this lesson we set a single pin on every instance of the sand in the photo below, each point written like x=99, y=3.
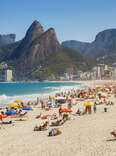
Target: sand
x=87, y=135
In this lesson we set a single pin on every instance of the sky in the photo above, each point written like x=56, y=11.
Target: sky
x=72, y=19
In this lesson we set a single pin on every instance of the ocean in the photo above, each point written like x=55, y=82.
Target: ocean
x=29, y=91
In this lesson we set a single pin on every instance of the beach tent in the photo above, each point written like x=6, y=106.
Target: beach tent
x=10, y=112
x=65, y=110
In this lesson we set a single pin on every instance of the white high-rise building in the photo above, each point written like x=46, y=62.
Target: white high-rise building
x=8, y=75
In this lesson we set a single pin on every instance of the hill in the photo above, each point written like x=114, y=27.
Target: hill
x=76, y=45
x=103, y=45
x=7, y=39
x=39, y=55
x=66, y=60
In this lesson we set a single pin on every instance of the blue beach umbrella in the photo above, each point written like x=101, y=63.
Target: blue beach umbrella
x=10, y=112
x=27, y=108
x=52, y=104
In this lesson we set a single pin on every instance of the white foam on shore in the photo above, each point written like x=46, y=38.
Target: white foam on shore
x=6, y=100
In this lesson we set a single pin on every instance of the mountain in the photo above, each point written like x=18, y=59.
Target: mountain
x=76, y=45
x=39, y=55
x=65, y=60
x=7, y=39
x=103, y=45
x=36, y=46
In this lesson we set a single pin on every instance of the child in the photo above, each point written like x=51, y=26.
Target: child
x=94, y=107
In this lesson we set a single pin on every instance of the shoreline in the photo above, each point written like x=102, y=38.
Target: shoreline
x=33, y=96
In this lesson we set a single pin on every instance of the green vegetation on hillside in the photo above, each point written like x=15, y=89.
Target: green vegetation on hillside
x=7, y=50
x=65, y=60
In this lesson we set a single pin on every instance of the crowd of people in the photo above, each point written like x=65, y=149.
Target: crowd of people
x=90, y=99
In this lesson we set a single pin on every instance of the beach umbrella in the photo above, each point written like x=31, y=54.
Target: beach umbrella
x=88, y=104
x=18, y=101
x=27, y=108
x=91, y=89
x=53, y=97
x=13, y=106
x=52, y=104
x=85, y=94
x=3, y=116
x=103, y=96
x=48, y=117
x=98, y=89
x=11, y=112
x=65, y=110
x=114, y=86
x=60, y=98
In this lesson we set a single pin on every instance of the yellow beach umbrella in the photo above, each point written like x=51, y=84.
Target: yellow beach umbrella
x=98, y=89
x=13, y=106
x=88, y=104
x=53, y=97
x=17, y=101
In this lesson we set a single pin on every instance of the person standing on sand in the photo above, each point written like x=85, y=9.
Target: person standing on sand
x=69, y=103
x=89, y=110
x=42, y=104
x=94, y=107
x=38, y=100
x=60, y=114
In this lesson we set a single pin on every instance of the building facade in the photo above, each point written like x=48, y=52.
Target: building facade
x=8, y=75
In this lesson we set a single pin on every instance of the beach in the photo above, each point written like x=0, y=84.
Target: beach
x=87, y=135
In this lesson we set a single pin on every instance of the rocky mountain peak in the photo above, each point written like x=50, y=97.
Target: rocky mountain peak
x=106, y=35
x=36, y=46
x=34, y=31
x=51, y=34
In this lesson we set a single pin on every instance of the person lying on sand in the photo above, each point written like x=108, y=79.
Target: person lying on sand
x=54, y=132
x=113, y=133
x=58, y=123
x=41, y=128
x=18, y=115
x=38, y=116
x=78, y=112
x=8, y=122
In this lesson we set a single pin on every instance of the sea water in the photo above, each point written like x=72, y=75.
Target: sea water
x=29, y=91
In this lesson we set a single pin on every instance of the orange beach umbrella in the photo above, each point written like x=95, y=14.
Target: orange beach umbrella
x=65, y=110
x=48, y=117
x=3, y=116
